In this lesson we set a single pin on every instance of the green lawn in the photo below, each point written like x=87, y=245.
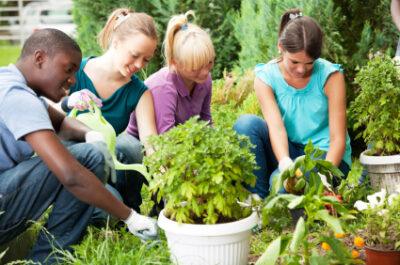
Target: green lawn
x=9, y=54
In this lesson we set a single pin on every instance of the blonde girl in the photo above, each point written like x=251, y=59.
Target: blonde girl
x=128, y=40
x=182, y=89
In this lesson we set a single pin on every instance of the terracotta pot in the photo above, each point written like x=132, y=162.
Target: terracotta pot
x=382, y=257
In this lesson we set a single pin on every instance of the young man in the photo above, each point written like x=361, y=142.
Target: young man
x=67, y=176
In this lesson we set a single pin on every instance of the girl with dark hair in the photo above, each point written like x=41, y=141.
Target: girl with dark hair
x=302, y=97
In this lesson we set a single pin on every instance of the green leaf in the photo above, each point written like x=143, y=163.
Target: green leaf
x=298, y=235
x=296, y=202
x=338, y=248
x=271, y=254
x=331, y=221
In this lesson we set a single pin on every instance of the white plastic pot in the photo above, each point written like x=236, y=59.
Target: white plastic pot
x=384, y=171
x=198, y=244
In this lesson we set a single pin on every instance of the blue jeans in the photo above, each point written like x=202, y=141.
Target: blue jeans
x=129, y=183
x=27, y=191
x=257, y=130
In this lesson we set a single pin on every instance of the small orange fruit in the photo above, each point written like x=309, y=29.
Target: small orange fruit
x=298, y=173
x=339, y=235
x=355, y=254
x=325, y=246
x=358, y=242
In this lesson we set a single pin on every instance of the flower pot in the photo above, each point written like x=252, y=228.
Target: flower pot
x=384, y=171
x=382, y=257
x=198, y=244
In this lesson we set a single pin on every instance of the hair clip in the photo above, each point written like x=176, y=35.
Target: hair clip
x=184, y=26
x=293, y=16
x=120, y=18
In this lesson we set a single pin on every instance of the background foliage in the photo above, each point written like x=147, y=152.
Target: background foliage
x=245, y=33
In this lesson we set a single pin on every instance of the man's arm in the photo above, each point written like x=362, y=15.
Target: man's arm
x=67, y=128
x=76, y=178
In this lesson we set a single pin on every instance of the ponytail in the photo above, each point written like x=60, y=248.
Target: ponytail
x=187, y=43
x=124, y=21
x=177, y=23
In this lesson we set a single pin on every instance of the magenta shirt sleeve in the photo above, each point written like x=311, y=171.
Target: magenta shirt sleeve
x=165, y=103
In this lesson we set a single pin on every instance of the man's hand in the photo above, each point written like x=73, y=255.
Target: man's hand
x=142, y=226
x=81, y=100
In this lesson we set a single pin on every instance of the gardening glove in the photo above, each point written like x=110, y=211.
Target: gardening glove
x=142, y=226
x=81, y=100
x=285, y=163
x=97, y=139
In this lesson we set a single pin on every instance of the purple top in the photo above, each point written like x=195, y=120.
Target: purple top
x=173, y=103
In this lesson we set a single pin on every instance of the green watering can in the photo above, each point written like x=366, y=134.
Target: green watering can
x=95, y=120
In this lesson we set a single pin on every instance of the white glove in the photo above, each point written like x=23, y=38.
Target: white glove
x=94, y=136
x=142, y=226
x=285, y=163
x=81, y=100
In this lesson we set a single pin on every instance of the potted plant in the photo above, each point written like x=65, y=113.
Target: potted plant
x=201, y=171
x=376, y=112
x=381, y=227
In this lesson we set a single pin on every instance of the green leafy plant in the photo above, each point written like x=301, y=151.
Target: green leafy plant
x=375, y=109
x=306, y=171
x=319, y=207
x=353, y=187
x=201, y=171
x=382, y=220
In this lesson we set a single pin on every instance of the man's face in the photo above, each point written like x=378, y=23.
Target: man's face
x=58, y=74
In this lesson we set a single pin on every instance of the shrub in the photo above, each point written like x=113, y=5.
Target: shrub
x=200, y=170
x=375, y=109
x=215, y=16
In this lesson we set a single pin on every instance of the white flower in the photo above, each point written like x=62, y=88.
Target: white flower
x=361, y=206
x=377, y=199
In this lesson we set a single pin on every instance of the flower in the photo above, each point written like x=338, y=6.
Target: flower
x=381, y=221
x=359, y=242
x=355, y=254
x=339, y=235
x=325, y=246
x=377, y=199
x=361, y=206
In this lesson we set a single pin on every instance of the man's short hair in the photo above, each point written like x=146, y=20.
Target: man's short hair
x=50, y=41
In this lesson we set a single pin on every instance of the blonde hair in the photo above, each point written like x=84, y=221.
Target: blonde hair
x=123, y=22
x=187, y=43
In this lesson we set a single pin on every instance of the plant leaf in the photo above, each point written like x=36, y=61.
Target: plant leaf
x=271, y=254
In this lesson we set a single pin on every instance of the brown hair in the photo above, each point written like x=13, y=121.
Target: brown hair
x=187, y=43
x=300, y=33
x=124, y=21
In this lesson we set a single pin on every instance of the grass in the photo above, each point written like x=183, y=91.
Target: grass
x=9, y=54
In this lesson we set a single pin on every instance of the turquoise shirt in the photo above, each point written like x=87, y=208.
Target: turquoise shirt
x=304, y=111
x=118, y=107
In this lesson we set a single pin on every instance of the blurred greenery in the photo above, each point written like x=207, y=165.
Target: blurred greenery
x=9, y=54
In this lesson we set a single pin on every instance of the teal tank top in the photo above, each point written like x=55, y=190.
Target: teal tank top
x=118, y=107
x=304, y=111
